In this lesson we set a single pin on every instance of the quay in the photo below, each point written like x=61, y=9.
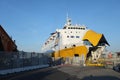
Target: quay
x=65, y=72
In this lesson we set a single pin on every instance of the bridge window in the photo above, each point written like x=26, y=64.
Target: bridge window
x=83, y=28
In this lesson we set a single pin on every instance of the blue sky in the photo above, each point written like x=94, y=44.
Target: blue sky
x=30, y=22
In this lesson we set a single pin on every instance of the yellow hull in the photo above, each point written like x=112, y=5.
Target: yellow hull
x=71, y=52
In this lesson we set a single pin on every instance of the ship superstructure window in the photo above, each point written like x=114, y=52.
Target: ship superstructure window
x=77, y=36
x=45, y=43
x=74, y=45
x=81, y=28
x=53, y=36
x=76, y=55
x=65, y=47
x=58, y=35
x=51, y=39
x=87, y=42
x=72, y=36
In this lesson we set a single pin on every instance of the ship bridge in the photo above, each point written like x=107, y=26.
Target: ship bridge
x=69, y=25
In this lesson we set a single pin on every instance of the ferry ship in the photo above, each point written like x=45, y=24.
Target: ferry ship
x=75, y=43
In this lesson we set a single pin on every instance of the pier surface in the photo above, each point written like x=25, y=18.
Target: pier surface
x=65, y=72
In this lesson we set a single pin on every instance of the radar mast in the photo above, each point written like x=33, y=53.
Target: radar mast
x=68, y=22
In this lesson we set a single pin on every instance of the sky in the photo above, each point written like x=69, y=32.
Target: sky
x=30, y=22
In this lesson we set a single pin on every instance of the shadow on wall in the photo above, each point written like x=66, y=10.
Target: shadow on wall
x=91, y=77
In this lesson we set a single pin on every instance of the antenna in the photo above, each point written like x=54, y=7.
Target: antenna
x=67, y=16
x=68, y=20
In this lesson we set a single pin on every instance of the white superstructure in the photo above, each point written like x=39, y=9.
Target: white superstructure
x=69, y=36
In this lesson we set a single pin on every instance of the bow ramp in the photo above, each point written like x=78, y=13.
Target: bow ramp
x=94, y=38
x=97, y=45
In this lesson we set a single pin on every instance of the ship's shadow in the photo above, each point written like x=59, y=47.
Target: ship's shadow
x=56, y=62
x=91, y=77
